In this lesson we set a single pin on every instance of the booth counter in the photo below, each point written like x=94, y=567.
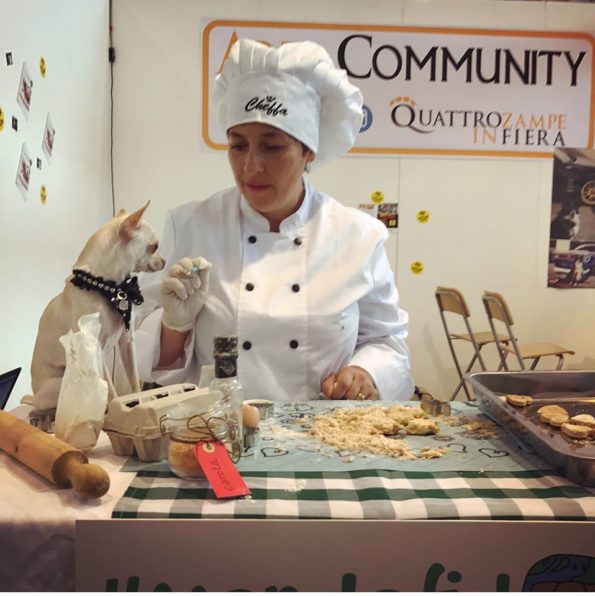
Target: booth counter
x=488, y=516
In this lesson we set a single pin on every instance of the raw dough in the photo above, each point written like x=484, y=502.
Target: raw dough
x=545, y=413
x=365, y=429
x=583, y=420
x=557, y=420
x=519, y=401
x=422, y=426
x=576, y=431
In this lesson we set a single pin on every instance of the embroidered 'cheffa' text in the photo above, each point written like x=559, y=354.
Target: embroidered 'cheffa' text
x=270, y=105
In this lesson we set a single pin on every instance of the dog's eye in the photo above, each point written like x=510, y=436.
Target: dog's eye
x=152, y=248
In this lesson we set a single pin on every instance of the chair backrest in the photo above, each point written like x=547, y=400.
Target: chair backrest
x=497, y=308
x=452, y=300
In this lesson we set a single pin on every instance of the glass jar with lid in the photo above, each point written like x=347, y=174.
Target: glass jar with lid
x=201, y=419
x=225, y=353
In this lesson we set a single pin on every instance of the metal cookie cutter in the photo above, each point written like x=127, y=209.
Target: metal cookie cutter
x=435, y=407
x=251, y=436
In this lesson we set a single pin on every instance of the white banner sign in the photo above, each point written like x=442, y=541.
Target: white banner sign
x=441, y=91
x=183, y=555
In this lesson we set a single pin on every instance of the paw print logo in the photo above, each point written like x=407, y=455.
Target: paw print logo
x=377, y=197
x=416, y=267
x=404, y=100
x=1, y=120
x=423, y=216
x=43, y=194
x=42, y=67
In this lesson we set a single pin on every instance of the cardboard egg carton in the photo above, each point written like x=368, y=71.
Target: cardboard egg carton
x=134, y=422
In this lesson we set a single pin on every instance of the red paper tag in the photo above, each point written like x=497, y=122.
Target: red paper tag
x=222, y=475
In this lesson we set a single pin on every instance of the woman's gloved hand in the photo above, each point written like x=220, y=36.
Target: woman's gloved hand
x=183, y=289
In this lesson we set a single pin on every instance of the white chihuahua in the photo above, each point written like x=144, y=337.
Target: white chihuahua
x=101, y=281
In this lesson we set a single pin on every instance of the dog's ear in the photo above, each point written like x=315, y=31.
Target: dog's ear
x=121, y=212
x=130, y=224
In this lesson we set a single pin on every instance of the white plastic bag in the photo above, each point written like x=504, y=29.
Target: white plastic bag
x=83, y=394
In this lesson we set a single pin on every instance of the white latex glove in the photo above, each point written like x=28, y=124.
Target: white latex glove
x=183, y=289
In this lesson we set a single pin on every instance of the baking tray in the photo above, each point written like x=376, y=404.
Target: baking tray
x=572, y=458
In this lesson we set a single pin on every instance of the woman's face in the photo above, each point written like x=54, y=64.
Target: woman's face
x=268, y=165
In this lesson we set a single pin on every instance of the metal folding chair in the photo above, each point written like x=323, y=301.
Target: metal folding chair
x=497, y=310
x=451, y=300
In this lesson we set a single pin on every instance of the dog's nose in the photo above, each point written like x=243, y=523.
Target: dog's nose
x=157, y=263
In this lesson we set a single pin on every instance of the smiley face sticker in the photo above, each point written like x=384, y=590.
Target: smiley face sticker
x=423, y=216
x=42, y=67
x=377, y=197
x=416, y=267
x=43, y=194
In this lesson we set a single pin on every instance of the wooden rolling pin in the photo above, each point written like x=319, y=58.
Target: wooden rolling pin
x=55, y=460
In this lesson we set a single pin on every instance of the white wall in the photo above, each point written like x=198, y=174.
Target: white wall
x=489, y=218
x=39, y=243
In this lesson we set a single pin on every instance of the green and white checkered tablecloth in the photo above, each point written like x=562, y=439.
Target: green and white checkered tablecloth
x=481, y=478
x=366, y=494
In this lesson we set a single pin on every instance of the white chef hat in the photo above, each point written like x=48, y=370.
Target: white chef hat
x=296, y=88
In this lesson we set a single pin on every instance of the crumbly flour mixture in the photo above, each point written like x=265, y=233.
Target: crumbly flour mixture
x=366, y=428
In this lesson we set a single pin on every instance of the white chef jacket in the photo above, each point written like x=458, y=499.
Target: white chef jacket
x=304, y=302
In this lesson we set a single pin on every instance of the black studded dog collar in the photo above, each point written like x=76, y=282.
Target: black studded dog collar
x=120, y=296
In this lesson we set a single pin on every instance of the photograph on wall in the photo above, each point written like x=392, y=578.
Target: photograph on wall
x=388, y=214
x=25, y=90
x=48, y=138
x=24, y=171
x=572, y=222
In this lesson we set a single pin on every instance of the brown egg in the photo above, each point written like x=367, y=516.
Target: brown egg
x=250, y=416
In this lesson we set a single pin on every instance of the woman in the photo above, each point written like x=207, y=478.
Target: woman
x=303, y=281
